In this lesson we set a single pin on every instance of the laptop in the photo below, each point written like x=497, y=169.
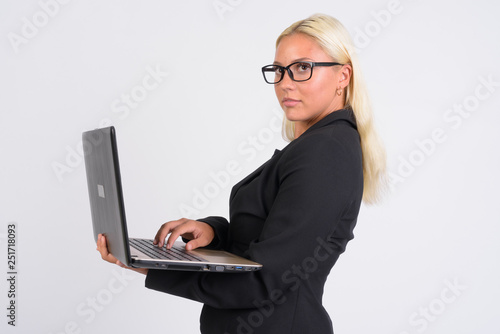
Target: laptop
x=108, y=217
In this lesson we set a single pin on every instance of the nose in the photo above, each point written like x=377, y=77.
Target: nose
x=286, y=82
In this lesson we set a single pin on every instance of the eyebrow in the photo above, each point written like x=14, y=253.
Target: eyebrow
x=294, y=61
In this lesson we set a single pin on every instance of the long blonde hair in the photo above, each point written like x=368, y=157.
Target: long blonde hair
x=332, y=36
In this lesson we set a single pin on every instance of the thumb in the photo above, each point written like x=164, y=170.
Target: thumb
x=193, y=244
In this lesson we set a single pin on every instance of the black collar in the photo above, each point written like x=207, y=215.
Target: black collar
x=339, y=115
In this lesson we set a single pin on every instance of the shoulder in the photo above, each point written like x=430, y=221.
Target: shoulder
x=338, y=141
x=324, y=163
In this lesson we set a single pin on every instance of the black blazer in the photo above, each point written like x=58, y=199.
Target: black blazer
x=295, y=215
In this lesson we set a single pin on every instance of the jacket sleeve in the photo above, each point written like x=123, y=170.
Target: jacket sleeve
x=221, y=230
x=309, y=222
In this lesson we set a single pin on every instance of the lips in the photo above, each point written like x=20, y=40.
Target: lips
x=288, y=102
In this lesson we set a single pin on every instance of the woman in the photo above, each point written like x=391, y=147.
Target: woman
x=296, y=213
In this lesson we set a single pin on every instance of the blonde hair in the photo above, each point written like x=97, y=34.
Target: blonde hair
x=332, y=36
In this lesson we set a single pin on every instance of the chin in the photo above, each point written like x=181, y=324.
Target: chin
x=291, y=114
x=293, y=118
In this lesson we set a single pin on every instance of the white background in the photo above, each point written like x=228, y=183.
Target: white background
x=66, y=68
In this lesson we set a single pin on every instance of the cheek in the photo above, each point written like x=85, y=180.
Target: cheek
x=277, y=91
x=319, y=97
x=314, y=91
x=326, y=82
x=322, y=89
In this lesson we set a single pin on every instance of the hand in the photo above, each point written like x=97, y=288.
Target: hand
x=201, y=234
x=102, y=247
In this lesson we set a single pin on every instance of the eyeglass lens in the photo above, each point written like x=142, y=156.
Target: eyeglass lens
x=298, y=71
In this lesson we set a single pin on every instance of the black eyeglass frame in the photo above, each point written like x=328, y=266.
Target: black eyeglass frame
x=290, y=73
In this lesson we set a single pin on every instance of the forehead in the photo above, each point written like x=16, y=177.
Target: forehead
x=299, y=47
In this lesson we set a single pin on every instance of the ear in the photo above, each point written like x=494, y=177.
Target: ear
x=345, y=75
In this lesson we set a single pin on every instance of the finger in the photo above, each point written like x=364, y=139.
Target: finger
x=118, y=262
x=201, y=239
x=201, y=234
x=164, y=230
x=157, y=238
x=97, y=242
x=186, y=227
x=102, y=247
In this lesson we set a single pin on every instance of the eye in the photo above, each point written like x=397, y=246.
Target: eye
x=278, y=69
x=302, y=67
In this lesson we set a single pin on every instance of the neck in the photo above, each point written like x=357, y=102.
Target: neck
x=301, y=126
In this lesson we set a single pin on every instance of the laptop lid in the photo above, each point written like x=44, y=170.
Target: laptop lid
x=105, y=190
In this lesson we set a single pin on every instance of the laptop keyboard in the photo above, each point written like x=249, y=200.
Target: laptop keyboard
x=175, y=253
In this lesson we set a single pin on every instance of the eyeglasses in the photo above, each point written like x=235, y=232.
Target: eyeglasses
x=298, y=71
